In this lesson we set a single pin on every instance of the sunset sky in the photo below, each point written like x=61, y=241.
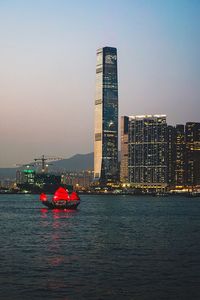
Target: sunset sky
x=47, y=69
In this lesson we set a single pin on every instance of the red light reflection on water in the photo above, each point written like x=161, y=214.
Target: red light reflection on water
x=56, y=261
x=56, y=210
x=57, y=213
x=44, y=212
x=63, y=213
x=58, y=226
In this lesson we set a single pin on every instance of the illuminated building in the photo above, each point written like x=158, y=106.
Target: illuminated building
x=180, y=154
x=184, y=155
x=47, y=181
x=36, y=182
x=171, y=154
x=148, y=151
x=159, y=154
x=80, y=180
x=124, y=150
x=106, y=117
x=192, y=139
x=26, y=176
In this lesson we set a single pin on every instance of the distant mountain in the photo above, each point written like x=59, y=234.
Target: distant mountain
x=8, y=173
x=77, y=163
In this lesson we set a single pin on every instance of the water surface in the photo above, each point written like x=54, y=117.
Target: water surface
x=112, y=247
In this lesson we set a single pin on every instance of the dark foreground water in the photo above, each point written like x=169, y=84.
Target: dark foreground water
x=110, y=248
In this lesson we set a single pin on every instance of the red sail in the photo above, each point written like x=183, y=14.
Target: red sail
x=43, y=197
x=61, y=194
x=74, y=196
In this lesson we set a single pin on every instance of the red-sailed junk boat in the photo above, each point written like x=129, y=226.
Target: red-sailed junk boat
x=61, y=199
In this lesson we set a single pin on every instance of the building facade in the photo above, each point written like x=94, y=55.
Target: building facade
x=180, y=154
x=184, y=155
x=124, y=149
x=171, y=154
x=26, y=176
x=156, y=154
x=192, y=139
x=106, y=117
x=148, y=151
x=79, y=180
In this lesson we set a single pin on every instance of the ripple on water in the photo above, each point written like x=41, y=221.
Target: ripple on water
x=110, y=248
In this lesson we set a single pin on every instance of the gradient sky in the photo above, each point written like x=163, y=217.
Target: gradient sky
x=47, y=69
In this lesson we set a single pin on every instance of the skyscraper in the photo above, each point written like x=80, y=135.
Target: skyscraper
x=124, y=149
x=106, y=116
x=184, y=155
x=171, y=154
x=192, y=138
x=180, y=163
x=148, y=151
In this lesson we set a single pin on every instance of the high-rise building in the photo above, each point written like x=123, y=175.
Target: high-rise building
x=106, y=116
x=171, y=154
x=184, y=155
x=124, y=149
x=148, y=151
x=192, y=139
x=180, y=154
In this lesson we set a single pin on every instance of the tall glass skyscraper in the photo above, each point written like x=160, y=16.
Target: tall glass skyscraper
x=106, y=116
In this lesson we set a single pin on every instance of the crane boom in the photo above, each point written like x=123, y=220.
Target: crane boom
x=43, y=159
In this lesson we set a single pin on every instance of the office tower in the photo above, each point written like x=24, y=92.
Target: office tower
x=171, y=154
x=148, y=151
x=106, y=117
x=192, y=139
x=124, y=149
x=180, y=154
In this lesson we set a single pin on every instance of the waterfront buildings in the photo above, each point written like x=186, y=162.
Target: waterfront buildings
x=154, y=154
x=147, y=151
x=80, y=180
x=106, y=117
x=31, y=181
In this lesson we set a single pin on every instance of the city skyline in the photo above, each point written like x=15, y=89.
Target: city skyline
x=47, y=69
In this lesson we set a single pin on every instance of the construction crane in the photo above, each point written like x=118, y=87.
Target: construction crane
x=43, y=160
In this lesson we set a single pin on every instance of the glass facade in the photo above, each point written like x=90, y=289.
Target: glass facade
x=192, y=133
x=106, y=116
x=148, y=150
x=180, y=155
x=171, y=154
x=124, y=150
x=184, y=155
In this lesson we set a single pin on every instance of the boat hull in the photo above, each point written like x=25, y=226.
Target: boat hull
x=61, y=204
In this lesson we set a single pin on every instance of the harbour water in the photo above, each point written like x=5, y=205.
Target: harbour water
x=112, y=247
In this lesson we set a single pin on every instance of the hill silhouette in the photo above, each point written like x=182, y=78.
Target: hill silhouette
x=78, y=162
